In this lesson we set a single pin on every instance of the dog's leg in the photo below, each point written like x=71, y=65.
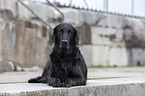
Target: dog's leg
x=77, y=78
x=43, y=77
x=39, y=79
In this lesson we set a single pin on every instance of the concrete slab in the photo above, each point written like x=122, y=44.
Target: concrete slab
x=125, y=81
x=103, y=74
x=93, y=88
x=13, y=77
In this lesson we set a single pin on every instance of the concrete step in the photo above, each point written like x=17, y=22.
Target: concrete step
x=93, y=88
x=126, y=81
x=102, y=74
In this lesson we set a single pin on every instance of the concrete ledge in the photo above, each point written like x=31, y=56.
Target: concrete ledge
x=93, y=88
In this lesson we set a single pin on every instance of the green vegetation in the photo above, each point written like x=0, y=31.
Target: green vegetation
x=97, y=66
x=114, y=65
x=22, y=70
x=139, y=63
x=101, y=66
x=15, y=69
x=107, y=78
x=4, y=70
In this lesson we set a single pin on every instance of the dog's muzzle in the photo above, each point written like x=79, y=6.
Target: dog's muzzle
x=64, y=44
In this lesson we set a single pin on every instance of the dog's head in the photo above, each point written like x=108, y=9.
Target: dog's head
x=65, y=35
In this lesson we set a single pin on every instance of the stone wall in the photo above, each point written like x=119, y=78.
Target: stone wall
x=22, y=43
x=105, y=39
x=115, y=40
x=7, y=37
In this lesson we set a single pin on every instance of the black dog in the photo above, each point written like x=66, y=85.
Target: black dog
x=67, y=66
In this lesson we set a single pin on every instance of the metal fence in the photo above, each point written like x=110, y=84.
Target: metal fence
x=126, y=7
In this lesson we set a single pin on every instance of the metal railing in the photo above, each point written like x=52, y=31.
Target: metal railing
x=135, y=8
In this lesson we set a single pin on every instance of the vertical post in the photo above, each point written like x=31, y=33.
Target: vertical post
x=70, y=3
x=144, y=8
x=17, y=10
x=105, y=5
x=55, y=2
x=86, y=3
x=132, y=7
x=0, y=4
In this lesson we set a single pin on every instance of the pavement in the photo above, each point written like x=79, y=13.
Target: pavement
x=122, y=81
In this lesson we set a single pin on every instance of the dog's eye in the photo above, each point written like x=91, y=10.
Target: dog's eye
x=61, y=31
x=70, y=32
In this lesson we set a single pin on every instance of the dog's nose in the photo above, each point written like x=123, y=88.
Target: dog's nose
x=64, y=42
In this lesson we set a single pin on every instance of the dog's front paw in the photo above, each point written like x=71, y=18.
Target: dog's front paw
x=67, y=83
x=55, y=83
x=36, y=80
x=32, y=80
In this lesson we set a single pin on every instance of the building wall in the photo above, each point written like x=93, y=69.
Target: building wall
x=105, y=39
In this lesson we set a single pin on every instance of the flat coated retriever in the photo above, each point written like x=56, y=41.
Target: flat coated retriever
x=67, y=66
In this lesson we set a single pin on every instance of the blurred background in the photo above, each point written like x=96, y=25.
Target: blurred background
x=111, y=32
x=128, y=7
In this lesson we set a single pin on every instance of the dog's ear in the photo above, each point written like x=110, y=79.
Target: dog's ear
x=53, y=35
x=76, y=37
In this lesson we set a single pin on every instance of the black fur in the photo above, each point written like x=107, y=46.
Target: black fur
x=67, y=66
